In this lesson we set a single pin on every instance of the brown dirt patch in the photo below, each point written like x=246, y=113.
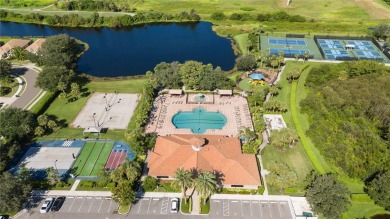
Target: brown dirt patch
x=374, y=9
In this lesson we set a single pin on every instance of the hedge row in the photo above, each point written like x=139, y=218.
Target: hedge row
x=95, y=184
x=43, y=103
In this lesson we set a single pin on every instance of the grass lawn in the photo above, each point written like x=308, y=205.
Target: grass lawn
x=204, y=208
x=123, y=209
x=295, y=158
x=92, y=153
x=363, y=210
x=14, y=85
x=165, y=187
x=123, y=86
x=185, y=207
x=64, y=112
x=244, y=84
x=242, y=42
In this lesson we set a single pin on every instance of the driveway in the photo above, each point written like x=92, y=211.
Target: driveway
x=30, y=91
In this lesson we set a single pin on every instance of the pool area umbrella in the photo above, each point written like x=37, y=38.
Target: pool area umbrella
x=256, y=76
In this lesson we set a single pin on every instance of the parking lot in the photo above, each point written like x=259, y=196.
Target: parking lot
x=152, y=206
x=81, y=204
x=264, y=209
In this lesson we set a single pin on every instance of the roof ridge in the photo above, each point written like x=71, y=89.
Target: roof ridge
x=237, y=162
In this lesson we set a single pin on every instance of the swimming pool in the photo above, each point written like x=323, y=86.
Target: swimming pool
x=199, y=120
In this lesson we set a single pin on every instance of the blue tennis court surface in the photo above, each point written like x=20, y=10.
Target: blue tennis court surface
x=279, y=41
x=275, y=51
x=335, y=54
x=338, y=49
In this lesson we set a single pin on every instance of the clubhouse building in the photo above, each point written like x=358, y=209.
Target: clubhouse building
x=219, y=154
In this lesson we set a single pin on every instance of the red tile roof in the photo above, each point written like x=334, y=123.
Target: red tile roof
x=222, y=154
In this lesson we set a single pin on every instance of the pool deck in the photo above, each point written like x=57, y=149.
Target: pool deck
x=235, y=108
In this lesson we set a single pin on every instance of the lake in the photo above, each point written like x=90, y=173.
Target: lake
x=134, y=50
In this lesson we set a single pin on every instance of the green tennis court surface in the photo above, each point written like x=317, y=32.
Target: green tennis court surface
x=91, y=158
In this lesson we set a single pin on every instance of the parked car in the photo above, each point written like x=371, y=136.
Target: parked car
x=58, y=203
x=47, y=205
x=174, y=205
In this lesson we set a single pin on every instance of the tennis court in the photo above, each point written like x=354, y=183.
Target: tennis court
x=92, y=157
x=290, y=47
x=287, y=41
x=275, y=51
x=335, y=49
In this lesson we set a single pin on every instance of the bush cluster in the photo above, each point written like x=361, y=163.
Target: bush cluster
x=277, y=16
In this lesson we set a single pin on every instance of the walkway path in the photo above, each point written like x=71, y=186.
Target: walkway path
x=75, y=184
x=195, y=203
x=263, y=171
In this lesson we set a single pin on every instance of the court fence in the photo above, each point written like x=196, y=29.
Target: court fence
x=286, y=55
x=289, y=35
x=317, y=37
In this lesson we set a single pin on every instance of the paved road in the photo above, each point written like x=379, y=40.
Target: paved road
x=30, y=92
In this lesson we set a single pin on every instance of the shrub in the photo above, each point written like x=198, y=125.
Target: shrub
x=260, y=190
x=149, y=183
x=111, y=185
x=43, y=103
x=87, y=184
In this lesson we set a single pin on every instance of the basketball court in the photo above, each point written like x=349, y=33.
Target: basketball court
x=107, y=110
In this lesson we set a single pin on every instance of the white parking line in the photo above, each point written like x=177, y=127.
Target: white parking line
x=81, y=204
x=71, y=204
x=280, y=212
x=216, y=201
x=140, y=203
x=261, y=212
x=108, y=210
x=242, y=212
x=149, y=205
x=101, y=203
x=250, y=207
x=91, y=205
x=234, y=201
x=269, y=206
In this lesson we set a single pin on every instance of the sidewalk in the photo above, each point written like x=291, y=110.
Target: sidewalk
x=99, y=193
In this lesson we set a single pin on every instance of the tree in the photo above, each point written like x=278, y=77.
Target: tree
x=59, y=50
x=183, y=180
x=381, y=32
x=293, y=74
x=5, y=69
x=14, y=192
x=39, y=131
x=18, y=53
x=51, y=76
x=246, y=62
x=43, y=120
x=192, y=73
x=149, y=183
x=52, y=124
x=281, y=176
x=296, y=57
x=63, y=96
x=379, y=189
x=327, y=196
x=168, y=74
x=123, y=194
x=52, y=175
x=284, y=138
x=128, y=170
x=61, y=86
x=19, y=125
x=273, y=90
x=205, y=184
x=75, y=90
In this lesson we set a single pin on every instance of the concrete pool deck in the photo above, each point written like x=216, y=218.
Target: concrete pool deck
x=234, y=108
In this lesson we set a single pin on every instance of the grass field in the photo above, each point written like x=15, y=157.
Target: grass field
x=123, y=86
x=91, y=158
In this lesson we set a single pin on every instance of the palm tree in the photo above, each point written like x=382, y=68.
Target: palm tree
x=205, y=184
x=305, y=56
x=296, y=57
x=18, y=53
x=183, y=180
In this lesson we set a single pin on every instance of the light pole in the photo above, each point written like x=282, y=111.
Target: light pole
x=93, y=116
x=55, y=165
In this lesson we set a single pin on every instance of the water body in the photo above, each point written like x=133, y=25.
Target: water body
x=134, y=50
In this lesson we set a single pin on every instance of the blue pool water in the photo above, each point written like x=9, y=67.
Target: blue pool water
x=199, y=120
